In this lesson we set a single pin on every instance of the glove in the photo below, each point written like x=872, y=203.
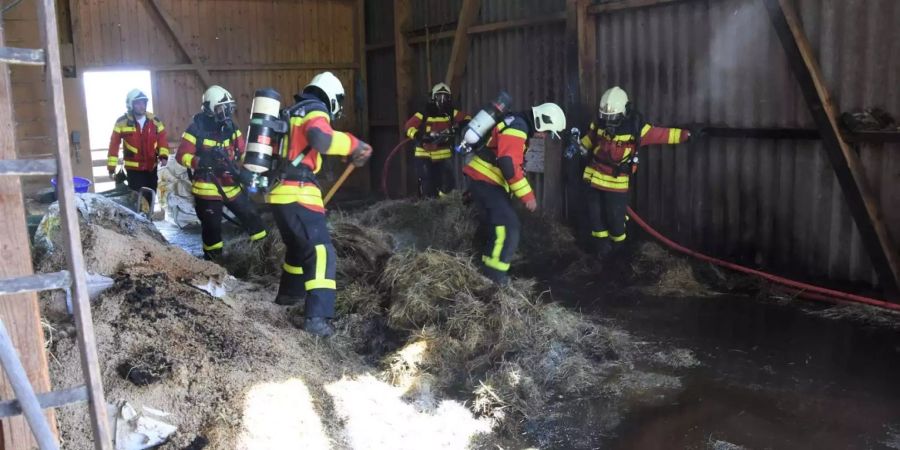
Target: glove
x=112, y=173
x=531, y=205
x=696, y=132
x=361, y=154
x=575, y=150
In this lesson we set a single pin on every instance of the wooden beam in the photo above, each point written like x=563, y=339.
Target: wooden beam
x=494, y=27
x=403, y=56
x=844, y=160
x=20, y=312
x=604, y=8
x=587, y=53
x=362, y=85
x=65, y=193
x=172, y=25
x=226, y=67
x=459, y=54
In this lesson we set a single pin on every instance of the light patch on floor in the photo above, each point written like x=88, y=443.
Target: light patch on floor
x=281, y=415
x=377, y=417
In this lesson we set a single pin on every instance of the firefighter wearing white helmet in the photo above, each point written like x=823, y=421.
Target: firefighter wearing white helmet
x=612, y=143
x=310, y=260
x=433, y=129
x=495, y=172
x=212, y=148
x=142, y=137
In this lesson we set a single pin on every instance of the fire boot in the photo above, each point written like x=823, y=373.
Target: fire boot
x=288, y=299
x=212, y=255
x=318, y=326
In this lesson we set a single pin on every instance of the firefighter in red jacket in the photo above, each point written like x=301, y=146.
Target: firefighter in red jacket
x=296, y=200
x=212, y=148
x=613, y=142
x=143, y=138
x=432, y=130
x=495, y=173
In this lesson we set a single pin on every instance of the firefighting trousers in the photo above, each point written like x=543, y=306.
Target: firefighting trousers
x=499, y=224
x=139, y=178
x=310, y=261
x=606, y=211
x=210, y=214
x=435, y=177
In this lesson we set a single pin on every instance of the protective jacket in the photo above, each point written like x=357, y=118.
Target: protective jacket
x=214, y=153
x=500, y=161
x=433, y=121
x=309, y=137
x=142, y=146
x=613, y=156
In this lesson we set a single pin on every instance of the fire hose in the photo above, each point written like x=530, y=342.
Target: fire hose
x=804, y=290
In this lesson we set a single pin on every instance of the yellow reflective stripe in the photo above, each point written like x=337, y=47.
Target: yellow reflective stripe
x=438, y=119
x=189, y=137
x=618, y=238
x=320, y=284
x=340, y=144
x=441, y=154
x=131, y=163
x=646, y=129
x=593, y=126
x=282, y=195
x=211, y=190
x=293, y=270
x=493, y=173
x=600, y=234
x=422, y=153
x=419, y=115
x=521, y=188
x=129, y=147
x=187, y=159
x=493, y=261
x=160, y=127
x=586, y=142
x=603, y=179
x=255, y=237
x=674, y=135
x=163, y=151
x=210, y=143
x=112, y=161
x=515, y=132
x=314, y=114
x=411, y=131
x=215, y=246
x=125, y=129
x=321, y=261
x=237, y=133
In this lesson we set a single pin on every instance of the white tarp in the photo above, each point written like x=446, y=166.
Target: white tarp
x=174, y=195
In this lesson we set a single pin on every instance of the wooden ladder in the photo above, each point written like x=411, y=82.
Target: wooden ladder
x=72, y=280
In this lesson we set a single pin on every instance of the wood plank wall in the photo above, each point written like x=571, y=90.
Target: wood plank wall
x=245, y=44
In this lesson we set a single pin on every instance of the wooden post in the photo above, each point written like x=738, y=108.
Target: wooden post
x=845, y=162
x=19, y=312
x=362, y=74
x=172, y=25
x=403, y=54
x=587, y=54
x=460, y=51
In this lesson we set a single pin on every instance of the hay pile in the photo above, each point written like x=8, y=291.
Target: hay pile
x=505, y=349
x=422, y=317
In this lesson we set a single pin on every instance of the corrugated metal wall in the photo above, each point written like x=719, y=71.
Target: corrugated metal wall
x=775, y=203
x=771, y=203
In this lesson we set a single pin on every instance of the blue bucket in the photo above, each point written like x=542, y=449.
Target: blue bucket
x=81, y=184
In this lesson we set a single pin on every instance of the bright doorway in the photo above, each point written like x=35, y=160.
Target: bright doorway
x=104, y=93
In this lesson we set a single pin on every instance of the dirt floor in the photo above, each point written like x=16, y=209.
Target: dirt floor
x=430, y=355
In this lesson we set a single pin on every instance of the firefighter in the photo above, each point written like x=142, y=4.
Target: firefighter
x=612, y=144
x=495, y=172
x=296, y=199
x=212, y=148
x=432, y=130
x=143, y=137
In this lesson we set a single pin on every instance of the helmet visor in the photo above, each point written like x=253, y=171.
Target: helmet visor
x=339, y=108
x=610, y=119
x=223, y=111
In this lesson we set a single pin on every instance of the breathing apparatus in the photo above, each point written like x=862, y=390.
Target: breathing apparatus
x=263, y=138
x=483, y=122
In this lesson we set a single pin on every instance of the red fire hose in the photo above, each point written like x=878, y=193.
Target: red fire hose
x=387, y=166
x=804, y=290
